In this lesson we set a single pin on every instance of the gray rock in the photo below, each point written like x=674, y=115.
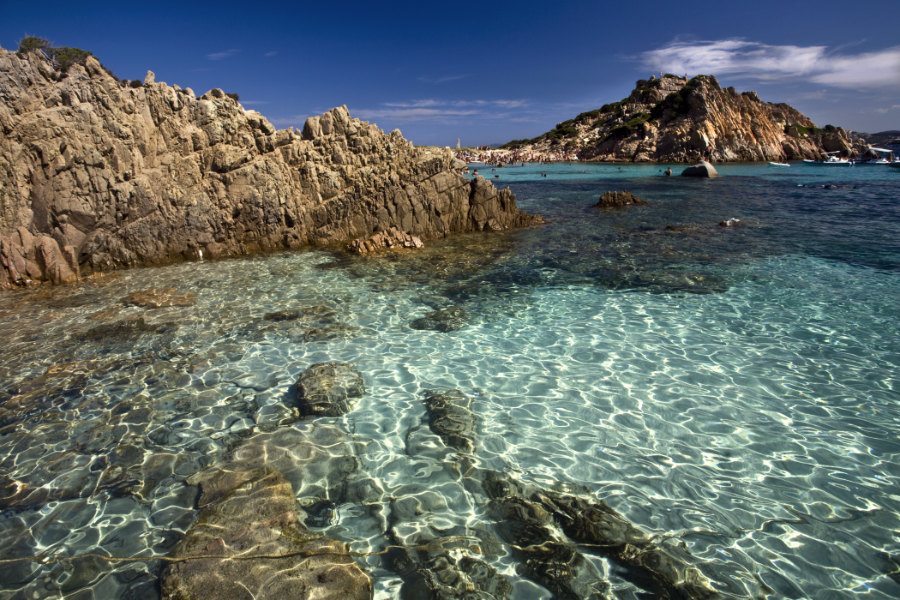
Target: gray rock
x=701, y=169
x=325, y=389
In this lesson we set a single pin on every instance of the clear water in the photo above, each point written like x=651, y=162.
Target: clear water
x=734, y=388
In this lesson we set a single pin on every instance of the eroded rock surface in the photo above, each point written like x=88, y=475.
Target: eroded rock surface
x=99, y=174
x=251, y=543
x=325, y=389
x=617, y=199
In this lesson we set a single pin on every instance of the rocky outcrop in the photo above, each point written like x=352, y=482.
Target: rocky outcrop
x=617, y=199
x=675, y=119
x=325, y=389
x=701, y=169
x=249, y=540
x=99, y=174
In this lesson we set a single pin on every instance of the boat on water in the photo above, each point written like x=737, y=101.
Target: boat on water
x=830, y=159
x=778, y=164
x=877, y=156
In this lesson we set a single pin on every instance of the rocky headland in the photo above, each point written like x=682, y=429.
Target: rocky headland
x=676, y=119
x=98, y=173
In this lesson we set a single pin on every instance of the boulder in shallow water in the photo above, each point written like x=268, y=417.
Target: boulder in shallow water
x=448, y=319
x=701, y=169
x=450, y=416
x=160, y=298
x=617, y=200
x=251, y=543
x=325, y=389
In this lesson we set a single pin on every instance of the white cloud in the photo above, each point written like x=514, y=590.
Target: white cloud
x=271, y=54
x=876, y=69
x=223, y=54
x=440, y=80
x=430, y=109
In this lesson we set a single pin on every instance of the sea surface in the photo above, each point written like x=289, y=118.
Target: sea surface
x=730, y=389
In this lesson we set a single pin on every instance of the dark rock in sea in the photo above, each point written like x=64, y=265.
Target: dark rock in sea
x=445, y=320
x=438, y=575
x=333, y=331
x=618, y=199
x=731, y=223
x=125, y=329
x=283, y=315
x=450, y=416
x=325, y=389
x=158, y=298
x=251, y=543
x=527, y=514
x=701, y=169
x=544, y=558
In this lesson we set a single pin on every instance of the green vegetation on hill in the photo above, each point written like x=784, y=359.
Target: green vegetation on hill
x=62, y=57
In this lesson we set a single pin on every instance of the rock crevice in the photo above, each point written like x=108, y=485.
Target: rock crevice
x=98, y=174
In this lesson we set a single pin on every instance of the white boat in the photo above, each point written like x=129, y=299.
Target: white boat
x=830, y=159
x=778, y=164
x=882, y=156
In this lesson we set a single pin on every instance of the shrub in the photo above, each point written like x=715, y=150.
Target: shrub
x=32, y=44
x=64, y=57
x=233, y=96
x=136, y=83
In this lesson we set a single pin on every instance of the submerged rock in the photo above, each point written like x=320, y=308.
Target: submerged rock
x=251, y=542
x=448, y=319
x=701, y=169
x=527, y=514
x=158, y=298
x=325, y=389
x=439, y=575
x=450, y=416
x=617, y=200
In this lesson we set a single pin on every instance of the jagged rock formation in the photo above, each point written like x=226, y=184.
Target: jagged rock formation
x=675, y=119
x=99, y=174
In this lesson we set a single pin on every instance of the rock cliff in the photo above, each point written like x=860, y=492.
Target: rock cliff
x=675, y=119
x=98, y=173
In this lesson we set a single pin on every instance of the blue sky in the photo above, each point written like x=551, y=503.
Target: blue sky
x=487, y=72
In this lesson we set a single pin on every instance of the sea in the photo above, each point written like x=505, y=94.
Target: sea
x=730, y=388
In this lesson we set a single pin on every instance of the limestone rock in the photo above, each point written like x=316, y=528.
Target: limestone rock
x=701, y=169
x=617, y=200
x=325, y=389
x=97, y=174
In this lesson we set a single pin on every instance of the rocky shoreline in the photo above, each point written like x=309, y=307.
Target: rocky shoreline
x=98, y=174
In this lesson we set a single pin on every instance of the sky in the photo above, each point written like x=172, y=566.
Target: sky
x=487, y=73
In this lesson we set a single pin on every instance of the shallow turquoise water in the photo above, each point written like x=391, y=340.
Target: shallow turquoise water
x=733, y=388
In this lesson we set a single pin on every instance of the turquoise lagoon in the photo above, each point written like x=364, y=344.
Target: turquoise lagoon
x=733, y=389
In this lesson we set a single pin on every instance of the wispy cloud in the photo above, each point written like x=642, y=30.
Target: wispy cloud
x=271, y=53
x=875, y=69
x=430, y=109
x=440, y=80
x=883, y=111
x=223, y=54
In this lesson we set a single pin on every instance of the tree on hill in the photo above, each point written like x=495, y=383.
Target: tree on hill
x=62, y=57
